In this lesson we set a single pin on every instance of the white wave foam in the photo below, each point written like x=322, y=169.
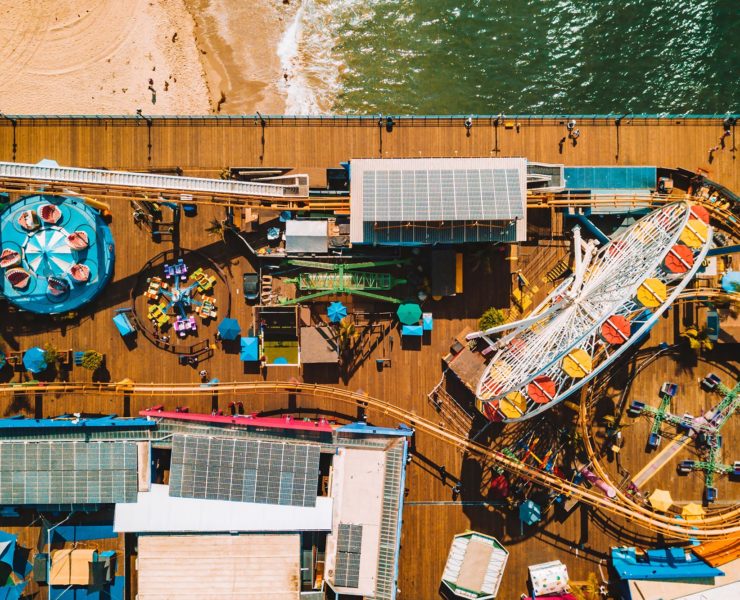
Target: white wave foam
x=309, y=58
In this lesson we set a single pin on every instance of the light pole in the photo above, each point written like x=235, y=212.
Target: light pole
x=49, y=531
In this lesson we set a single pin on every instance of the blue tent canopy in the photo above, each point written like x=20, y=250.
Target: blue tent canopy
x=412, y=330
x=34, y=360
x=250, y=349
x=8, y=556
x=529, y=512
x=661, y=563
x=123, y=324
x=336, y=311
x=229, y=329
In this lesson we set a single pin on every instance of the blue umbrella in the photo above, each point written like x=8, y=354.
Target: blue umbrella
x=336, y=311
x=529, y=512
x=229, y=329
x=35, y=360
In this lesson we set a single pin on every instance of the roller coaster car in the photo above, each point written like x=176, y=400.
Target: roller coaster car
x=710, y=382
x=687, y=421
x=685, y=467
x=710, y=494
x=636, y=408
x=654, y=440
x=669, y=389
x=736, y=468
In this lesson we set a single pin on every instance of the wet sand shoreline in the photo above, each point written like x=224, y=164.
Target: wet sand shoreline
x=240, y=60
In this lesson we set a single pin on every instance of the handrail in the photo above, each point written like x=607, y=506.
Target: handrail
x=268, y=119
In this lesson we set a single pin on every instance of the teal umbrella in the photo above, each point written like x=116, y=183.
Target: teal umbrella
x=229, y=329
x=409, y=314
x=34, y=360
x=336, y=311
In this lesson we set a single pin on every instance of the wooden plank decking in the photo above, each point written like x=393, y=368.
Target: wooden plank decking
x=431, y=514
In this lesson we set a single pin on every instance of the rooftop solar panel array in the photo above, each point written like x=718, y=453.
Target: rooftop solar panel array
x=239, y=470
x=441, y=195
x=42, y=473
x=349, y=543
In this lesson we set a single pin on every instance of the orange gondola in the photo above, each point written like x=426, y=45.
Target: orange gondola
x=616, y=330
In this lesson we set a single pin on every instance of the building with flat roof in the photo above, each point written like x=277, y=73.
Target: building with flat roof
x=283, y=506
x=426, y=201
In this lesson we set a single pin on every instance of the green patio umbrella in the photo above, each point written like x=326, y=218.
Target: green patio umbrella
x=409, y=313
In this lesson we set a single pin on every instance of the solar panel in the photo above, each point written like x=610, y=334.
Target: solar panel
x=349, y=544
x=68, y=472
x=441, y=195
x=261, y=471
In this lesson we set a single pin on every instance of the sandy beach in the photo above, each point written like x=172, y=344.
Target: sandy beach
x=241, y=64
x=163, y=57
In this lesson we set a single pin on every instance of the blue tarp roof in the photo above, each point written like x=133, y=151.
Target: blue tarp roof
x=365, y=429
x=19, y=422
x=81, y=533
x=621, y=178
x=15, y=561
x=250, y=349
x=12, y=592
x=661, y=564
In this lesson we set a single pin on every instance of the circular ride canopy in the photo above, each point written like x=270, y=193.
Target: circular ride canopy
x=57, y=253
x=615, y=295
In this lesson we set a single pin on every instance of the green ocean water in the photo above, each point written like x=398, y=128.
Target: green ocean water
x=523, y=56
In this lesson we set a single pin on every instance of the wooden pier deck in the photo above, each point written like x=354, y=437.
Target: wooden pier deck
x=204, y=147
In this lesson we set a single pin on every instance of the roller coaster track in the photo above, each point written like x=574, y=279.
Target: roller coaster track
x=706, y=293
x=709, y=528
x=109, y=192
x=723, y=217
x=719, y=518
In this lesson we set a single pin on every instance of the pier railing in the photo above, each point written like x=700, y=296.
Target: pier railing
x=503, y=120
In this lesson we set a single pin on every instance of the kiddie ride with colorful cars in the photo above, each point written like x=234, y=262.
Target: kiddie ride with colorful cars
x=704, y=430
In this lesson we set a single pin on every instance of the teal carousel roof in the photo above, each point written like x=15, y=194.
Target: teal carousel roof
x=57, y=253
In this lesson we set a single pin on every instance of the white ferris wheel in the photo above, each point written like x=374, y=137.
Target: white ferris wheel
x=614, y=296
